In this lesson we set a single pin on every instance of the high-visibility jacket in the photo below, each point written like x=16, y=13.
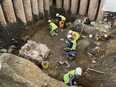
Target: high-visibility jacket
x=86, y=20
x=66, y=76
x=53, y=26
x=75, y=35
x=74, y=45
x=62, y=18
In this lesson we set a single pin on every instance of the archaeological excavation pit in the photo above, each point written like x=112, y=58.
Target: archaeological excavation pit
x=22, y=20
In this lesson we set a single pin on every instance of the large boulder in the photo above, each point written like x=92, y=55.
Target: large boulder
x=18, y=72
x=34, y=51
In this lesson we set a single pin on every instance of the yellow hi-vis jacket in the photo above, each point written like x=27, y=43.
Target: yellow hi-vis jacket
x=66, y=76
x=53, y=26
x=74, y=45
x=75, y=35
x=62, y=18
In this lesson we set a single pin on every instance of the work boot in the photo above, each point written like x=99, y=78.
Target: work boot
x=66, y=49
x=56, y=34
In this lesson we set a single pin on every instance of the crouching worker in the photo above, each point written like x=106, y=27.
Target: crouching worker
x=86, y=20
x=74, y=35
x=71, y=46
x=70, y=49
x=61, y=20
x=71, y=55
x=69, y=78
x=53, y=27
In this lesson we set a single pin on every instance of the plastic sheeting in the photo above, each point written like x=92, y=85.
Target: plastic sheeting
x=110, y=5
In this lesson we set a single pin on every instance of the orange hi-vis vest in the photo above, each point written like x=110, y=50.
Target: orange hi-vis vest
x=75, y=35
x=61, y=24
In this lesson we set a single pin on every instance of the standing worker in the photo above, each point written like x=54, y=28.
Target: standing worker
x=61, y=20
x=69, y=78
x=53, y=28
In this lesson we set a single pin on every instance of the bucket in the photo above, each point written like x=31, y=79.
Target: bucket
x=45, y=64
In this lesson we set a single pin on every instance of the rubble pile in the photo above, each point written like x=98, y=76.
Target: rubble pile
x=98, y=30
x=35, y=51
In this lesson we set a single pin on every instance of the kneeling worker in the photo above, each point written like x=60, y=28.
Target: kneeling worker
x=75, y=35
x=53, y=28
x=86, y=20
x=71, y=47
x=61, y=20
x=69, y=78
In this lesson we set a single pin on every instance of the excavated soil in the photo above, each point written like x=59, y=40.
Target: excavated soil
x=39, y=32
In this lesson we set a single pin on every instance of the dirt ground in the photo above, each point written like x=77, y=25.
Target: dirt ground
x=105, y=63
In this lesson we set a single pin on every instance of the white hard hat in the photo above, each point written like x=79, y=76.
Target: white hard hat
x=49, y=21
x=78, y=71
x=70, y=31
x=79, y=21
x=57, y=14
x=69, y=36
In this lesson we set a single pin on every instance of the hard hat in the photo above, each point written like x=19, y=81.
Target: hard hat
x=49, y=21
x=78, y=71
x=79, y=21
x=57, y=14
x=69, y=36
x=70, y=31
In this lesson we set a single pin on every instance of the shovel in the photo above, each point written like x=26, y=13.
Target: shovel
x=94, y=70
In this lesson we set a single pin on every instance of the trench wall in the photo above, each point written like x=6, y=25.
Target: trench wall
x=28, y=10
